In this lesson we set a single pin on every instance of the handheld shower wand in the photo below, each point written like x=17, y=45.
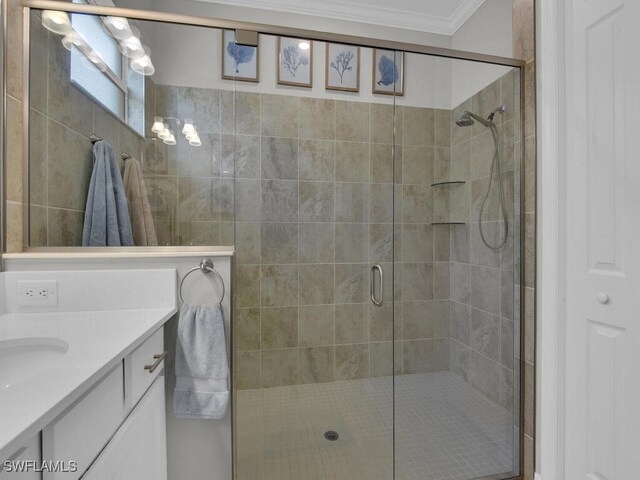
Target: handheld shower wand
x=466, y=120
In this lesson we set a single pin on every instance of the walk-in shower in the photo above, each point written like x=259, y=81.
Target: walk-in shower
x=467, y=120
x=321, y=191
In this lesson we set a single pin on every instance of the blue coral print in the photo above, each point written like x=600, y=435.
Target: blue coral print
x=292, y=59
x=342, y=63
x=240, y=54
x=388, y=71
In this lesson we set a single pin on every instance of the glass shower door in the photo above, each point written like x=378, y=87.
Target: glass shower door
x=456, y=394
x=313, y=356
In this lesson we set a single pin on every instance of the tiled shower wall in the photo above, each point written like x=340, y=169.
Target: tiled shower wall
x=314, y=210
x=483, y=279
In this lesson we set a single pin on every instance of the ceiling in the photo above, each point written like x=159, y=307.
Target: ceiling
x=443, y=17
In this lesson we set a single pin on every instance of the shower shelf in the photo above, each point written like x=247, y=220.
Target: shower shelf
x=453, y=182
x=448, y=223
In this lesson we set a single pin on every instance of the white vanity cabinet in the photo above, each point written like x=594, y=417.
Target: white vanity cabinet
x=117, y=430
x=138, y=450
x=29, y=452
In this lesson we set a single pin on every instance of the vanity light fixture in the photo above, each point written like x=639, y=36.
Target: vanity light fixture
x=188, y=127
x=74, y=39
x=95, y=58
x=56, y=22
x=143, y=65
x=158, y=125
x=195, y=141
x=304, y=45
x=118, y=27
x=164, y=134
x=171, y=139
x=131, y=47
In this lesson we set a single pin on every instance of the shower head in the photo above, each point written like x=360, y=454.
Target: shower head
x=469, y=118
x=465, y=120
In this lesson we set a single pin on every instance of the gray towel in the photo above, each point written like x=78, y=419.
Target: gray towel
x=202, y=369
x=106, y=218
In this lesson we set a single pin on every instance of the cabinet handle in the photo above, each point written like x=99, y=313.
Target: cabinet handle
x=158, y=361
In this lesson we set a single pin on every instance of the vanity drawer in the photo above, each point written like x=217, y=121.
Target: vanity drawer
x=82, y=431
x=142, y=367
x=29, y=452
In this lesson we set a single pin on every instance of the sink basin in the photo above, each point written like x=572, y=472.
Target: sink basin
x=22, y=358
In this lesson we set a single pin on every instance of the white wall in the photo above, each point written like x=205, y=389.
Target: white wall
x=488, y=31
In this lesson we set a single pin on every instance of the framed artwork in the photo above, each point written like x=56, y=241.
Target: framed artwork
x=342, y=67
x=239, y=62
x=388, y=75
x=295, y=62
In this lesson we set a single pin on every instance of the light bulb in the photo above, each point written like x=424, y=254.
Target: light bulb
x=165, y=132
x=188, y=127
x=97, y=60
x=304, y=45
x=56, y=22
x=158, y=125
x=192, y=135
x=131, y=47
x=195, y=141
x=74, y=39
x=118, y=26
x=143, y=65
x=170, y=140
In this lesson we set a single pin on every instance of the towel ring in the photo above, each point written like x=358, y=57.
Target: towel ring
x=206, y=266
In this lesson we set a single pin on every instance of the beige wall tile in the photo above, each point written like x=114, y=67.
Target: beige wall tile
x=279, y=367
x=418, y=126
x=247, y=329
x=278, y=327
x=272, y=120
x=317, y=118
x=352, y=361
x=352, y=323
x=316, y=160
x=247, y=370
x=352, y=121
x=316, y=365
x=316, y=325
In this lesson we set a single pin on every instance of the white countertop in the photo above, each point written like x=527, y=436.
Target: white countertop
x=97, y=341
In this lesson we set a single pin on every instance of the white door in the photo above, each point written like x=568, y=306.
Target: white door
x=602, y=409
x=138, y=450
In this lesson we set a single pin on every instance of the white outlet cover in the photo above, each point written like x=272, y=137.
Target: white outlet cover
x=37, y=293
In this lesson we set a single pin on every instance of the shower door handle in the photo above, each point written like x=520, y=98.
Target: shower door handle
x=377, y=302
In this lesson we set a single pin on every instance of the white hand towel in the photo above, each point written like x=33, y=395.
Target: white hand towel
x=202, y=368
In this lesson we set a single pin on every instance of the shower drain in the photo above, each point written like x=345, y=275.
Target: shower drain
x=331, y=435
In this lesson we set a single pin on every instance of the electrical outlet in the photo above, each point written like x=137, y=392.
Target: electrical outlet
x=38, y=293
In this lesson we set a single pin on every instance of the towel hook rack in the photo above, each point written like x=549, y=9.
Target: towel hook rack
x=206, y=266
x=95, y=138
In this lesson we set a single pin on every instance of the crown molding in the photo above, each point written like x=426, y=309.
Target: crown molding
x=375, y=15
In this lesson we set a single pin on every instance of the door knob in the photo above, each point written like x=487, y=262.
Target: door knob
x=602, y=298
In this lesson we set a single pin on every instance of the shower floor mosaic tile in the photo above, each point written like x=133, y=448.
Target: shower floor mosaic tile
x=445, y=430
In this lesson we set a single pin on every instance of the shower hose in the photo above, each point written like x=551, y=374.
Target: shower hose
x=496, y=160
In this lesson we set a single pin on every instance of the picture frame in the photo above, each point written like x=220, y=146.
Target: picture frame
x=239, y=62
x=342, y=67
x=388, y=75
x=294, y=65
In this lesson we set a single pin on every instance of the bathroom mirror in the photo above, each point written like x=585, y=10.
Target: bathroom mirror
x=140, y=88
